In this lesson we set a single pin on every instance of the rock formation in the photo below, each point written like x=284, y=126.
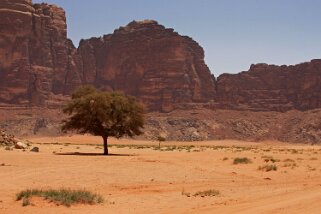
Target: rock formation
x=6, y=139
x=39, y=66
x=35, y=54
x=146, y=60
x=271, y=87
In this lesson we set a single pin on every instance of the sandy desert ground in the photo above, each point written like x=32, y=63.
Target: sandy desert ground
x=139, y=178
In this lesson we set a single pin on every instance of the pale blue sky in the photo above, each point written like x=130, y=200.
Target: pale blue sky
x=233, y=33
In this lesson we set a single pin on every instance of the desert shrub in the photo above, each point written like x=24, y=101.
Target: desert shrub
x=271, y=159
x=311, y=168
x=207, y=193
x=170, y=148
x=268, y=168
x=242, y=160
x=266, y=156
x=65, y=197
x=293, y=151
x=288, y=160
x=187, y=194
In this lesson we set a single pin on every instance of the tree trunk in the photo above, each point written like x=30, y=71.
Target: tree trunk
x=105, y=145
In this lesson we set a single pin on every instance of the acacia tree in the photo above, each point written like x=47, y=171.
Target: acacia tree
x=103, y=114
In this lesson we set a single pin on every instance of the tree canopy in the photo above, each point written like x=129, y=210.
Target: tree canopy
x=103, y=114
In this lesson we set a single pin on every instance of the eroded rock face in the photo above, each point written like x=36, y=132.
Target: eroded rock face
x=35, y=54
x=39, y=66
x=146, y=60
x=272, y=88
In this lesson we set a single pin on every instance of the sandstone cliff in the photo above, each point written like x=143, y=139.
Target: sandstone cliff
x=155, y=64
x=271, y=87
x=35, y=54
x=39, y=66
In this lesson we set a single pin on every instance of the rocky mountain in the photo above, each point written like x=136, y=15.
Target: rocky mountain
x=271, y=87
x=39, y=66
x=35, y=54
x=146, y=60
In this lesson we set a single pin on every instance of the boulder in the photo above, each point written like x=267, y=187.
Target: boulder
x=20, y=145
x=35, y=149
x=6, y=139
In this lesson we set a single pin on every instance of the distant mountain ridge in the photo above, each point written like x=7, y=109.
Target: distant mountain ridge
x=39, y=66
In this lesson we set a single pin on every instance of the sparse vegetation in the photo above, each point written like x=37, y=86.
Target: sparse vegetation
x=288, y=160
x=271, y=159
x=292, y=164
x=268, y=168
x=311, y=168
x=207, y=193
x=266, y=156
x=187, y=194
x=242, y=161
x=293, y=151
x=64, y=197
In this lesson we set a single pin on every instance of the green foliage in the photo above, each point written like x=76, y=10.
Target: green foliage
x=63, y=196
x=103, y=114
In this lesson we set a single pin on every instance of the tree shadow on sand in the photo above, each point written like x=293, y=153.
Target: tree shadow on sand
x=92, y=154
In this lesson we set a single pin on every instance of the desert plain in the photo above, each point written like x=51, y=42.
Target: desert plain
x=140, y=177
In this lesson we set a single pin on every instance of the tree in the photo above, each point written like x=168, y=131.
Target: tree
x=103, y=114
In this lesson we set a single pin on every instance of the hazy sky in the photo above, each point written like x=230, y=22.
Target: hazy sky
x=233, y=33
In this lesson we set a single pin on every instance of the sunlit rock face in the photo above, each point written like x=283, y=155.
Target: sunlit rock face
x=151, y=62
x=39, y=66
x=35, y=54
x=271, y=87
